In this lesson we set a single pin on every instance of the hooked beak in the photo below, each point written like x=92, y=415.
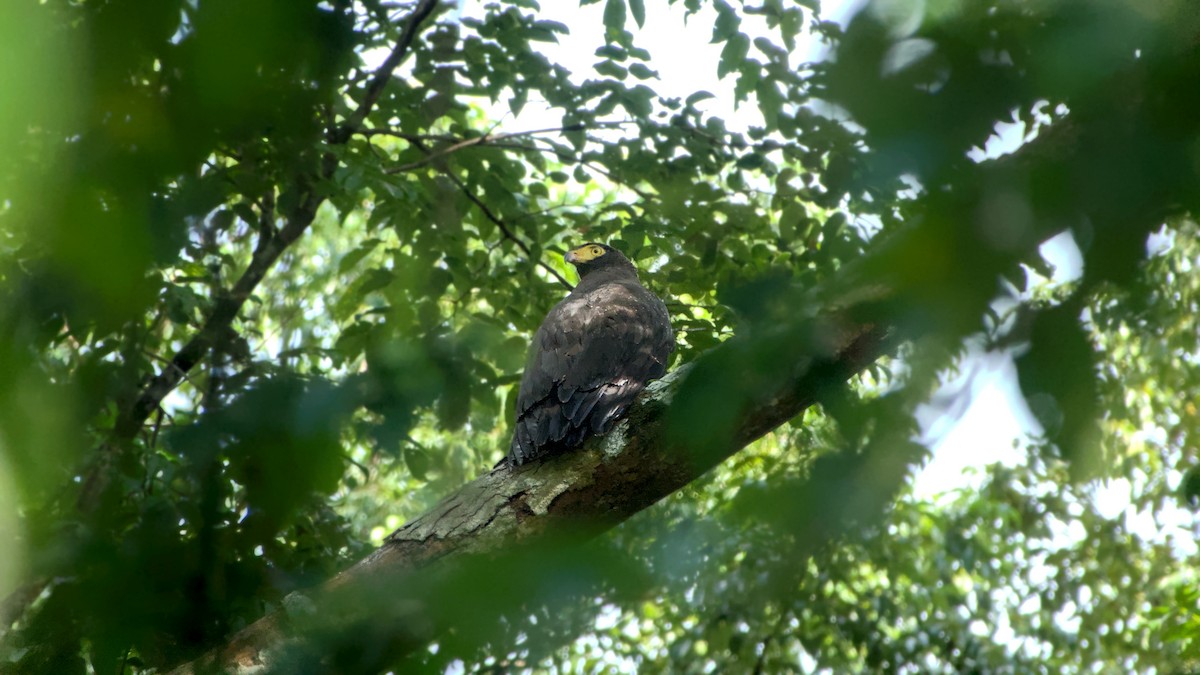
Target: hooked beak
x=571, y=257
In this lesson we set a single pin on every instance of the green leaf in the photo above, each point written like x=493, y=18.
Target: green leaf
x=727, y=22
x=353, y=340
x=639, y=100
x=611, y=69
x=541, y=35
x=221, y=220
x=1058, y=377
x=613, y=52
x=789, y=220
x=751, y=161
x=356, y=255
x=733, y=56
x=638, y=8
x=641, y=72
x=417, y=462
x=552, y=27
x=374, y=280
x=614, y=16
x=639, y=53
x=607, y=104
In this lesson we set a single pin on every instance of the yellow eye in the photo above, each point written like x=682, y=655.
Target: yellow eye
x=596, y=250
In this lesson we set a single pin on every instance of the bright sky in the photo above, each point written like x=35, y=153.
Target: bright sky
x=681, y=52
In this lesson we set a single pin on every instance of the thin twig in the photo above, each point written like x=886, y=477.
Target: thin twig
x=591, y=166
x=760, y=663
x=365, y=471
x=553, y=207
x=388, y=131
x=413, y=138
x=499, y=222
x=485, y=139
x=505, y=229
x=266, y=214
x=693, y=305
x=165, y=360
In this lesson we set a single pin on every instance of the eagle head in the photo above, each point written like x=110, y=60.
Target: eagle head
x=593, y=256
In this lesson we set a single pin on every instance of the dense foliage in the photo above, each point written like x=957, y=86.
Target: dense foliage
x=268, y=270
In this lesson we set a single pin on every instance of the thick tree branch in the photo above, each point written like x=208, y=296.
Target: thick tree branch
x=574, y=496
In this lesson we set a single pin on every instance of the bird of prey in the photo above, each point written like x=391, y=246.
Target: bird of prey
x=594, y=352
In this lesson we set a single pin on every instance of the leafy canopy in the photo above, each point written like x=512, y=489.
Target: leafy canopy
x=269, y=268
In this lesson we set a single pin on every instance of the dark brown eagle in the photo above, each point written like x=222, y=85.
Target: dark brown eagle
x=593, y=354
